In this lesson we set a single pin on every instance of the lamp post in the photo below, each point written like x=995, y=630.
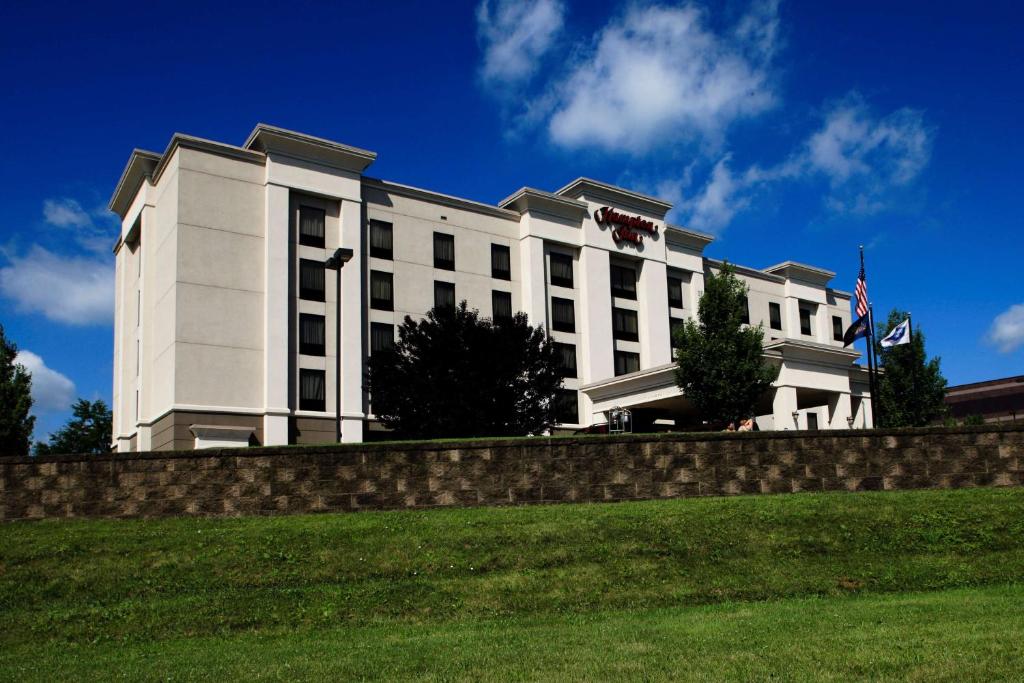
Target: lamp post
x=336, y=262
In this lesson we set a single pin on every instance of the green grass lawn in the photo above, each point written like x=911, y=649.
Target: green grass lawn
x=921, y=585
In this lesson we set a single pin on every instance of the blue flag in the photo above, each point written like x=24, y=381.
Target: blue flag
x=858, y=330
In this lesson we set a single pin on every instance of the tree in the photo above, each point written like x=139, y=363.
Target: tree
x=454, y=374
x=911, y=388
x=16, y=423
x=720, y=364
x=88, y=431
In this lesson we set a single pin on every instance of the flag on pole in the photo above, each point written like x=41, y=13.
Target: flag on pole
x=858, y=330
x=862, y=291
x=897, y=335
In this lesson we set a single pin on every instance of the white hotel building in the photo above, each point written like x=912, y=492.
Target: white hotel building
x=225, y=316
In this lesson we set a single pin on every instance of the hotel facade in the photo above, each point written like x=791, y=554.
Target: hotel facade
x=225, y=316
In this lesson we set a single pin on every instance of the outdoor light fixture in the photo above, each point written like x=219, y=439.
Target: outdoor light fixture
x=796, y=418
x=336, y=262
x=849, y=422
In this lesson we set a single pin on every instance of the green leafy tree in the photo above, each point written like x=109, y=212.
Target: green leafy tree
x=455, y=374
x=720, y=364
x=16, y=423
x=911, y=388
x=88, y=431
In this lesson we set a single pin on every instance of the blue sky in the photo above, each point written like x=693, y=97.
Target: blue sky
x=790, y=130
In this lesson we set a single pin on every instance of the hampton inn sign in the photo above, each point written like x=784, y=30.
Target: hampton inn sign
x=625, y=228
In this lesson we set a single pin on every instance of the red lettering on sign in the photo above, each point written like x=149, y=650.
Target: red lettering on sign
x=626, y=227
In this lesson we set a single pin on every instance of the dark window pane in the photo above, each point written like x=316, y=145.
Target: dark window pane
x=812, y=421
x=444, y=251
x=311, y=390
x=745, y=313
x=675, y=292
x=501, y=262
x=567, y=407
x=382, y=336
x=563, y=315
x=381, y=291
x=501, y=305
x=311, y=334
x=311, y=280
x=674, y=325
x=624, y=325
x=381, y=239
x=444, y=294
x=561, y=270
x=567, y=358
x=311, y=226
x=623, y=282
x=775, y=316
x=837, y=328
x=626, y=362
x=805, y=321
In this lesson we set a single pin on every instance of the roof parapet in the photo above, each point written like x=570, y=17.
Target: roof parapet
x=272, y=139
x=527, y=198
x=615, y=194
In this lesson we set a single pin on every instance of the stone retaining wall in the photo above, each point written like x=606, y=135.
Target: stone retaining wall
x=506, y=472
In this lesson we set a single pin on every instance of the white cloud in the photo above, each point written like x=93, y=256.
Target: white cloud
x=514, y=36
x=93, y=230
x=51, y=391
x=660, y=75
x=74, y=290
x=1007, y=331
x=66, y=213
x=718, y=201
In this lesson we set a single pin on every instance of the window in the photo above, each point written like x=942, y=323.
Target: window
x=623, y=282
x=745, y=313
x=382, y=295
x=674, y=326
x=311, y=390
x=311, y=334
x=626, y=362
x=624, y=325
x=774, y=316
x=675, y=292
x=567, y=407
x=381, y=240
x=311, y=226
x=501, y=306
x=805, y=321
x=444, y=294
x=837, y=328
x=567, y=357
x=382, y=336
x=311, y=280
x=501, y=264
x=561, y=270
x=812, y=421
x=563, y=315
x=444, y=251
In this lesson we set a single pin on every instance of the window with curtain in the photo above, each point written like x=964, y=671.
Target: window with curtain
x=311, y=226
x=805, y=321
x=774, y=316
x=444, y=294
x=311, y=280
x=745, y=313
x=563, y=315
x=837, y=328
x=312, y=390
x=567, y=407
x=674, y=326
x=567, y=358
x=501, y=306
x=381, y=236
x=382, y=296
x=626, y=362
x=444, y=251
x=312, y=330
x=382, y=336
x=561, y=270
x=675, y=292
x=501, y=262
x=623, y=282
x=624, y=325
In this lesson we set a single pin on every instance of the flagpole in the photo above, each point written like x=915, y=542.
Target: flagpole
x=873, y=367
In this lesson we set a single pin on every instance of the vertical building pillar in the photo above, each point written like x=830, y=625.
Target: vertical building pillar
x=782, y=408
x=594, y=316
x=532, y=277
x=839, y=408
x=275, y=316
x=655, y=345
x=352, y=409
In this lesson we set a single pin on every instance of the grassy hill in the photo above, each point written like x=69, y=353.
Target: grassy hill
x=803, y=585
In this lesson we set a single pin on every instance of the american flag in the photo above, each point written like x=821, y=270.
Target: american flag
x=862, y=290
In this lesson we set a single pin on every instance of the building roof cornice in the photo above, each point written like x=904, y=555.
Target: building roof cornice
x=527, y=198
x=439, y=198
x=272, y=139
x=801, y=271
x=745, y=270
x=693, y=239
x=616, y=195
x=140, y=166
